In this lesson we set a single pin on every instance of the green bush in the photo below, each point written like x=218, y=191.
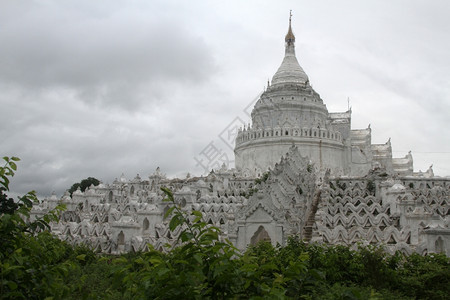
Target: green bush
x=33, y=263
x=36, y=265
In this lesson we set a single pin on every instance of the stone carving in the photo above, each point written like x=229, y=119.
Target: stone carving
x=406, y=213
x=291, y=111
x=324, y=183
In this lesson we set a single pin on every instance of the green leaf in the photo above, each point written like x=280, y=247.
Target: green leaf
x=168, y=193
x=139, y=261
x=155, y=260
x=169, y=211
x=26, y=201
x=198, y=258
x=196, y=220
x=163, y=272
x=197, y=213
x=12, y=285
x=9, y=171
x=5, y=182
x=103, y=258
x=175, y=222
x=13, y=165
x=265, y=287
x=14, y=158
x=186, y=236
x=120, y=260
x=81, y=257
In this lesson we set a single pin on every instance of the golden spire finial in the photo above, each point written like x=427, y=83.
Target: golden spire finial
x=290, y=38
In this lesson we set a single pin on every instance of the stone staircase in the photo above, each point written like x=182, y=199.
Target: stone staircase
x=307, y=229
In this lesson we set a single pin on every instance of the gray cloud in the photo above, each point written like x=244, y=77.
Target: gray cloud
x=104, y=58
x=97, y=88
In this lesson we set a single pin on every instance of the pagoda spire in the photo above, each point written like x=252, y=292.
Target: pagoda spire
x=290, y=71
x=290, y=37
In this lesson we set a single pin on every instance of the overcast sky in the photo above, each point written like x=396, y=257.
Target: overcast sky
x=101, y=88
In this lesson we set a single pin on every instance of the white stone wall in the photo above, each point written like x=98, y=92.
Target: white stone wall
x=260, y=155
x=407, y=214
x=380, y=210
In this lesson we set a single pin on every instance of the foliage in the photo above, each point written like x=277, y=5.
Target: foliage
x=258, y=181
x=371, y=187
x=202, y=266
x=425, y=277
x=84, y=184
x=263, y=178
x=94, y=279
x=36, y=265
x=32, y=261
x=250, y=192
x=342, y=185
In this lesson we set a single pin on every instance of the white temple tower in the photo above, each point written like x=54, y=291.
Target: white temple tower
x=291, y=112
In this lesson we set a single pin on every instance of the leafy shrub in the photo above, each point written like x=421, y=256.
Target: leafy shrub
x=425, y=277
x=36, y=265
x=33, y=263
x=84, y=184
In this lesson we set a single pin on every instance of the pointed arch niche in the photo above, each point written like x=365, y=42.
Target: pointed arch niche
x=121, y=238
x=260, y=235
x=439, y=245
x=145, y=225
